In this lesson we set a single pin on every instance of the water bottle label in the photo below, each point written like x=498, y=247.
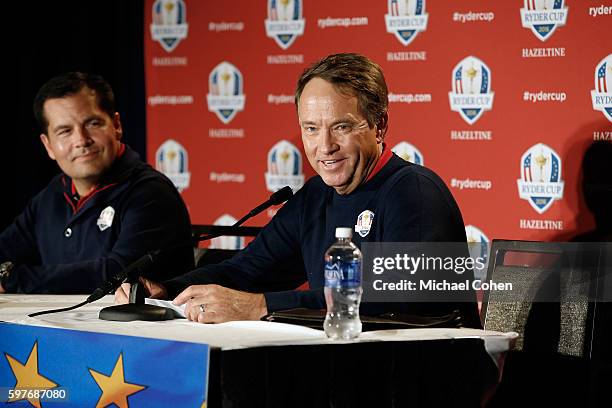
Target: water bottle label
x=342, y=274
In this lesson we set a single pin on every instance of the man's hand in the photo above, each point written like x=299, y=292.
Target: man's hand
x=2, y=289
x=221, y=304
x=153, y=290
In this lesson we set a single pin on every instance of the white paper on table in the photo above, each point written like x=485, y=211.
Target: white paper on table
x=179, y=311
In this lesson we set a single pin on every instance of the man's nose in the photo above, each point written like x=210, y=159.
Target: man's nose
x=82, y=137
x=327, y=142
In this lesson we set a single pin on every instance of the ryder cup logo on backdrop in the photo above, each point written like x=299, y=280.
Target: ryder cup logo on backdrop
x=169, y=25
x=602, y=94
x=475, y=235
x=543, y=17
x=478, y=245
x=225, y=92
x=284, y=167
x=409, y=153
x=284, y=23
x=171, y=159
x=471, y=95
x=540, y=183
x=406, y=19
x=226, y=242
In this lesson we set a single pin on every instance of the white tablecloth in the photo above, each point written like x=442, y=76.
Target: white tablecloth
x=227, y=336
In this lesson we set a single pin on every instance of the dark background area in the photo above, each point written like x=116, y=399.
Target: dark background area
x=101, y=36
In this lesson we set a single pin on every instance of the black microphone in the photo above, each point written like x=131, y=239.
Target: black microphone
x=136, y=309
x=135, y=269
x=276, y=198
x=132, y=272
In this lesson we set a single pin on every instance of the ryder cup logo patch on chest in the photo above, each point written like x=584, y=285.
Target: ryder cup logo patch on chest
x=543, y=17
x=540, y=183
x=406, y=19
x=105, y=219
x=169, y=24
x=364, y=223
x=225, y=91
x=602, y=94
x=285, y=22
x=471, y=92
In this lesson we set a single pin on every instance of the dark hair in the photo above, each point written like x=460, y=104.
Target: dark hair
x=357, y=76
x=71, y=83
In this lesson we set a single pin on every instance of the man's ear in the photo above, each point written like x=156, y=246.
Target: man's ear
x=45, y=141
x=117, y=125
x=381, y=128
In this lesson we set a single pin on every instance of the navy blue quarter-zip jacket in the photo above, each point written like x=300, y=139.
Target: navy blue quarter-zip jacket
x=410, y=203
x=62, y=243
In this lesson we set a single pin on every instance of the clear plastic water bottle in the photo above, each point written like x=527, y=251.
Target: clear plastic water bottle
x=343, y=287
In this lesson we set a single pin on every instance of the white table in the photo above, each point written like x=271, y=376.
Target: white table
x=242, y=341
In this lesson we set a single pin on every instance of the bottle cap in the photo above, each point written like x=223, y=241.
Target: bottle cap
x=343, y=232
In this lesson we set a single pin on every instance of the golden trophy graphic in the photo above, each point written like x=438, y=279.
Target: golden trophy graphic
x=284, y=166
x=406, y=156
x=171, y=166
x=471, y=74
x=541, y=162
x=225, y=77
x=169, y=15
x=285, y=4
x=471, y=239
x=366, y=219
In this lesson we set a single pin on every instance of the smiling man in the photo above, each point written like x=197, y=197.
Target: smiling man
x=341, y=145
x=103, y=212
x=342, y=103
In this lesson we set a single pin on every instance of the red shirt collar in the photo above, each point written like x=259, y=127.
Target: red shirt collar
x=382, y=160
x=80, y=201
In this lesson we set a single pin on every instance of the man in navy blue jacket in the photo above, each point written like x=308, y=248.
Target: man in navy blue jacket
x=103, y=212
x=342, y=108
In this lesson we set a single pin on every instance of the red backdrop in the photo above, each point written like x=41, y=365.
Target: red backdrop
x=499, y=98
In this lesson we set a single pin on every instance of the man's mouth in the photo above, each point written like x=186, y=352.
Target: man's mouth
x=331, y=164
x=86, y=155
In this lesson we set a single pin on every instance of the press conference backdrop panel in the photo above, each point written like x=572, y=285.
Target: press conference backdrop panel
x=500, y=98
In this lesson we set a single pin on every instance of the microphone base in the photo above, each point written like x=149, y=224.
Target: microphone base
x=131, y=311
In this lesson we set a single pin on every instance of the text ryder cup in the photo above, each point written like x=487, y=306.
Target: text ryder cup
x=175, y=31
x=548, y=16
x=554, y=189
x=222, y=102
x=444, y=285
x=603, y=100
x=485, y=100
x=285, y=27
x=419, y=22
